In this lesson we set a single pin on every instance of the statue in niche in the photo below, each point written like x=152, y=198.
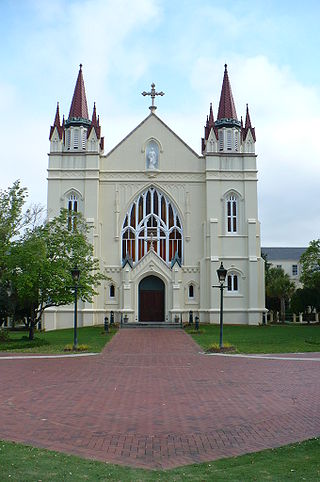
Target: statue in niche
x=152, y=155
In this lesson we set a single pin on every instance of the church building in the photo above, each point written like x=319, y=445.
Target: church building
x=162, y=217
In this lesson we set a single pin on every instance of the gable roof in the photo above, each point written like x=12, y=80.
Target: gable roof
x=152, y=114
x=284, y=253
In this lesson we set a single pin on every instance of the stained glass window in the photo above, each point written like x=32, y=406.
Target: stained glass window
x=152, y=222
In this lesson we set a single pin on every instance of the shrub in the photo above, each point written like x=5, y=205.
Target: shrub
x=4, y=335
x=69, y=347
x=215, y=348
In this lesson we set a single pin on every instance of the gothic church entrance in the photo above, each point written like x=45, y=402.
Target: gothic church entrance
x=151, y=299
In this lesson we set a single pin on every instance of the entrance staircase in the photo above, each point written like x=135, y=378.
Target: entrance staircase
x=152, y=324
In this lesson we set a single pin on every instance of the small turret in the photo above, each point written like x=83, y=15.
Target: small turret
x=209, y=141
x=248, y=134
x=94, y=133
x=56, y=133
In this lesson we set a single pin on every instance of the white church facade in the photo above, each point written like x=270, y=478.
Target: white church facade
x=162, y=218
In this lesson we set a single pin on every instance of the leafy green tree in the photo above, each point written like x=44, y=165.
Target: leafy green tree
x=279, y=286
x=41, y=264
x=13, y=220
x=305, y=299
x=310, y=266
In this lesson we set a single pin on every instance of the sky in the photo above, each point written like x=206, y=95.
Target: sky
x=271, y=48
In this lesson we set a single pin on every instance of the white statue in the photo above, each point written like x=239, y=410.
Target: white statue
x=152, y=158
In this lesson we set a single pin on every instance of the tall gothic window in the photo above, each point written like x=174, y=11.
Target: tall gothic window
x=152, y=222
x=72, y=208
x=232, y=214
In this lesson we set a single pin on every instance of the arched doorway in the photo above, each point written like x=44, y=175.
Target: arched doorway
x=151, y=299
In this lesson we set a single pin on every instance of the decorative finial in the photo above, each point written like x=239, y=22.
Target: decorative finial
x=153, y=94
x=225, y=67
x=80, y=66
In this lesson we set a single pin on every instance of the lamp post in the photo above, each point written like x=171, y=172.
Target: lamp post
x=222, y=274
x=75, y=272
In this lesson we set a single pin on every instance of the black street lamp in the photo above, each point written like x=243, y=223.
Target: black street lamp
x=75, y=272
x=222, y=274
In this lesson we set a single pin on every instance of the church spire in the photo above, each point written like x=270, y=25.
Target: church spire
x=56, y=124
x=248, y=127
x=207, y=128
x=95, y=124
x=227, y=115
x=79, y=107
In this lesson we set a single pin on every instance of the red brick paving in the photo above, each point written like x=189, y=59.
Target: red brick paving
x=151, y=400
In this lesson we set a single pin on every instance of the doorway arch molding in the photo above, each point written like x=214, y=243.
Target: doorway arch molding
x=152, y=265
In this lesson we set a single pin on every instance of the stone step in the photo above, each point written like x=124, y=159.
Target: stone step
x=151, y=324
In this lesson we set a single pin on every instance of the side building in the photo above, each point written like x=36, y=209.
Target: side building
x=162, y=217
x=286, y=258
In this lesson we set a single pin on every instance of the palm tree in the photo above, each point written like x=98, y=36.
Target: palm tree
x=278, y=285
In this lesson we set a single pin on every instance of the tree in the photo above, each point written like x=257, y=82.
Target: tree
x=279, y=286
x=41, y=263
x=305, y=299
x=310, y=266
x=13, y=219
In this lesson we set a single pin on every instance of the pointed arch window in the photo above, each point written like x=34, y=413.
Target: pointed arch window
x=191, y=291
x=111, y=291
x=152, y=222
x=232, y=214
x=73, y=205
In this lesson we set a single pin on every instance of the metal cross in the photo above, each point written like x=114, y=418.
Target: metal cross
x=153, y=94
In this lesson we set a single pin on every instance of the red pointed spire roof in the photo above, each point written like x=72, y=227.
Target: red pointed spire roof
x=248, y=126
x=56, y=124
x=248, y=120
x=94, y=115
x=227, y=108
x=79, y=107
x=211, y=114
x=209, y=124
x=95, y=123
x=207, y=128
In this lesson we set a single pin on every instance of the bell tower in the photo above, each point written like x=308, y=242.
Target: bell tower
x=232, y=229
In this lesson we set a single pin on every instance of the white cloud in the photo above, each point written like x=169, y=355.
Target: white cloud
x=286, y=114
x=120, y=44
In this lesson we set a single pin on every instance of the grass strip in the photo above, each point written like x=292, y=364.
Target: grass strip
x=262, y=339
x=55, y=341
x=295, y=462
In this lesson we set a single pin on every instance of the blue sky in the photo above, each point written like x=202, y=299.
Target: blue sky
x=271, y=49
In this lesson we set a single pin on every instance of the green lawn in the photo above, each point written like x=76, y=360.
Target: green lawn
x=262, y=339
x=296, y=462
x=55, y=341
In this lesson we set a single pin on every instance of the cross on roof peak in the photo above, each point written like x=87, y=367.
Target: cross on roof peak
x=153, y=94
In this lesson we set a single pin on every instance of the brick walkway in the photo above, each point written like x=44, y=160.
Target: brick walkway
x=151, y=400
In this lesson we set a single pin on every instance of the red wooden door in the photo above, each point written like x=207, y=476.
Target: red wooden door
x=151, y=299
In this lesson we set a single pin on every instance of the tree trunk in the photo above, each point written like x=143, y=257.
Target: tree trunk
x=31, y=331
x=283, y=309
